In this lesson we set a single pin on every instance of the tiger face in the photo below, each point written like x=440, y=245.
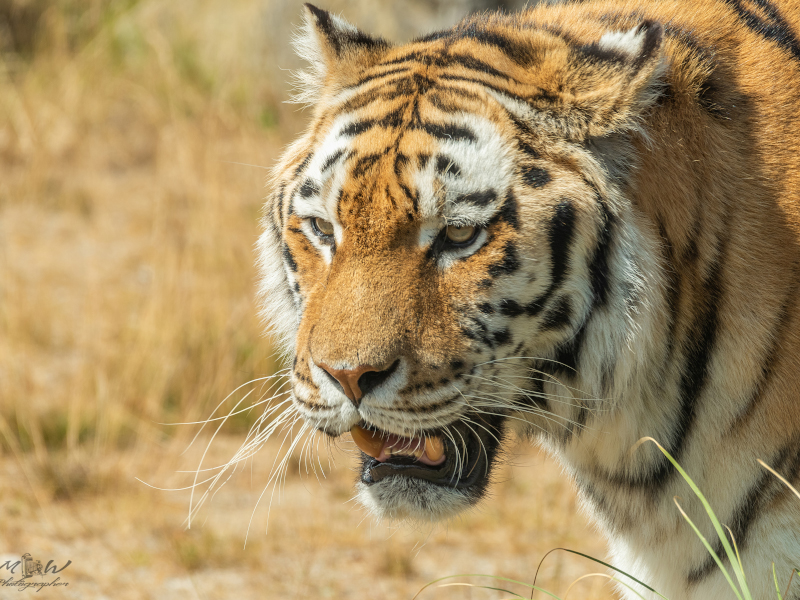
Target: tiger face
x=575, y=223
x=439, y=241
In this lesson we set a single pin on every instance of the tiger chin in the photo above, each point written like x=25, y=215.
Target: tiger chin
x=579, y=224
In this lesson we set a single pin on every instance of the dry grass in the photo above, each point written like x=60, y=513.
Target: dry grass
x=126, y=301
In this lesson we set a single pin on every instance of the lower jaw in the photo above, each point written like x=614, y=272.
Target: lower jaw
x=398, y=497
x=449, y=474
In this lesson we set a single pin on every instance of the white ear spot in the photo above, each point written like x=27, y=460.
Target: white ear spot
x=629, y=42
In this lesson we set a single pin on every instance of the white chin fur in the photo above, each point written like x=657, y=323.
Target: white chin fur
x=405, y=498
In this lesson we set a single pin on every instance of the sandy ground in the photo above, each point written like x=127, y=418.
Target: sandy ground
x=126, y=540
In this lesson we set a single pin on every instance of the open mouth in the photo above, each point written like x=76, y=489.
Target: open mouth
x=432, y=457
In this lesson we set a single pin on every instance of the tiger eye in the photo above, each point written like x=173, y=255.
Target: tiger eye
x=459, y=235
x=322, y=227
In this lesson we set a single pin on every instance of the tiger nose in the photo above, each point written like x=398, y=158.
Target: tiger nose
x=360, y=380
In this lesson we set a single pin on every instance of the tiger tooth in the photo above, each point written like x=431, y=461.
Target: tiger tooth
x=369, y=442
x=434, y=448
x=414, y=453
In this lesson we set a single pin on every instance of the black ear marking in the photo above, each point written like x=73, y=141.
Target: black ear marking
x=339, y=34
x=632, y=48
x=653, y=37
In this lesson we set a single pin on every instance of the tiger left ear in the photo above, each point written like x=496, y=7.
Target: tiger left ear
x=335, y=50
x=614, y=80
x=599, y=89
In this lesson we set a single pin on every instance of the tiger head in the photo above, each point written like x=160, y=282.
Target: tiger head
x=439, y=238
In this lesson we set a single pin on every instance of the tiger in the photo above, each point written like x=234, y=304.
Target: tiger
x=577, y=225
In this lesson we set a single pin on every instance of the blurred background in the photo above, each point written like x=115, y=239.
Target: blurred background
x=135, y=139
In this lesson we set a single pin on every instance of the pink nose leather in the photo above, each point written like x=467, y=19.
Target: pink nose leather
x=348, y=379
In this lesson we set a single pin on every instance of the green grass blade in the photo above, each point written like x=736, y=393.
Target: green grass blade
x=710, y=550
x=613, y=568
x=775, y=579
x=736, y=548
x=714, y=521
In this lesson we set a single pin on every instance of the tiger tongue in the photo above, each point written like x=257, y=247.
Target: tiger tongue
x=428, y=451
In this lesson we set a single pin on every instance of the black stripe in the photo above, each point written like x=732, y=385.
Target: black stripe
x=458, y=92
x=511, y=308
x=331, y=160
x=509, y=212
x=768, y=362
x=477, y=198
x=364, y=163
x=508, y=265
x=400, y=162
x=358, y=128
x=338, y=37
x=394, y=119
x=485, y=37
x=775, y=28
x=287, y=256
x=765, y=489
x=474, y=64
x=411, y=196
x=279, y=204
x=447, y=131
x=486, y=308
x=560, y=234
x=381, y=75
x=486, y=84
x=446, y=166
x=598, y=267
x=559, y=316
x=568, y=355
x=698, y=350
x=309, y=188
x=535, y=177
x=502, y=337
x=303, y=164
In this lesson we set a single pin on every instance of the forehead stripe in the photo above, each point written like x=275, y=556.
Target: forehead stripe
x=447, y=132
x=331, y=160
x=308, y=189
x=478, y=198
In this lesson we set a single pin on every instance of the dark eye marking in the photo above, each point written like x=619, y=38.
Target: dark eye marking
x=446, y=166
x=509, y=264
x=309, y=188
x=422, y=160
x=478, y=198
x=535, y=177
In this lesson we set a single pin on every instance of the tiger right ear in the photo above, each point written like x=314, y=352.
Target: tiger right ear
x=336, y=52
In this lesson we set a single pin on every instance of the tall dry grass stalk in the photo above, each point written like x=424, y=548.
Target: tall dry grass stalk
x=126, y=234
